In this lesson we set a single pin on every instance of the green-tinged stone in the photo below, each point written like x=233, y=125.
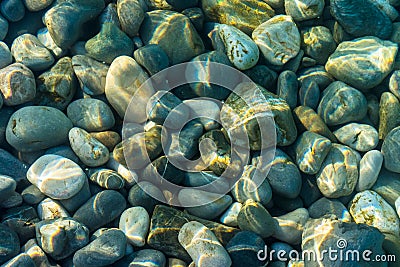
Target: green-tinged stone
x=389, y=114
x=388, y=186
x=318, y=43
x=166, y=223
x=108, y=179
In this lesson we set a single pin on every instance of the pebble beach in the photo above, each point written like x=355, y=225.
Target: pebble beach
x=199, y=133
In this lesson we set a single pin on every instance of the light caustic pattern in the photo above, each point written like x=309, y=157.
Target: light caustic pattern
x=207, y=73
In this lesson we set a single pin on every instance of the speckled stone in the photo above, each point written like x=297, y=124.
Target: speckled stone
x=326, y=207
x=338, y=174
x=311, y=150
x=389, y=108
x=278, y=46
x=131, y=15
x=56, y=176
x=135, y=222
x=91, y=114
x=17, y=84
x=181, y=42
x=363, y=62
x=108, y=179
x=89, y=150
x=57, y=86
x=65, y=19
x=152, y=57
x=370, y=166
x=108, y=138
x=109, y=44
x=49, y=209
x=28, y=50
x=60, y=238
x=123, y=79
x=101, y=209
x=37, y=5
x=203, y=246
x=103, y=251
x=5, y=55
x=318, y=43
x=361, y=137
x=301, y=10
x=37, y=127
x=362, y=18
x=390, y=150
x=44, y=37
x=254, y=217
x=341, y=103
x=91, y=74
x=370, y=208
x=239, y=47
x=287, y=87
x=290, y=226
x=244, y=15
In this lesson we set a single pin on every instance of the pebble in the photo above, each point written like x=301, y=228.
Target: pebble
x=152, y=57
x=17, y=84
x=390, y=149
x=5, y=55
x=28, y=50
x=370, y=166
x=394, y=83
x=35, y=253
x=7, y=186
x=9, y=245
x=108, y=179
x=203, y=107
x=32, y=195
x=284, y=176
x=131, y=15
x=91, y=114
x=309, y=94
x=60, y=238
x=13, y=10
x=301, y=10
x=325, y=207
x=324, y=233
x=109, y=44
x=182, y=42
x=124, y=77
x=203, y=246
x=389, y=106
x=278, y=46
x=44, y=37
x=196, y=16
x=363, y=62
x=22, y=259
x=254, y=217
x=3, y=27
x=361, y=137
x=289, y=227
x=65, y=19
x=91, y=74
x=135, y=222
x=148, y=257
x=49, y=209
x=101, y=209
x=262, y=75
x=173, y=262
x=244, y=15
x=229, y=217
x=103, y=251
x=338, y=174
x=318, y=74
x=287, y=87
x=240, y=48
x=57, y=87
x=243, y=249
x=89, y=150
x=37, y=5
x=318, y=43
x=56, y=176
x=75, y=202
x=311, y=150
x=362, y=19
x=370, y=208
x=388, y=186
x=341, y=103
x=138, y=196
x=13, y=168
x=108, y=138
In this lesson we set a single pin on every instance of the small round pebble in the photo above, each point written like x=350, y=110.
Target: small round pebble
x=37, y=5
x=13, y=10
x=131, y=15
x=304, y=9
x=135, y=222
x=56, y=176
x=370, y=166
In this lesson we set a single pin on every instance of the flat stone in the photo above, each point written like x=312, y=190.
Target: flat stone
x=361, y=137
x=17, y=84
x=101, y=209
x=301, y=10
x=370, y=208
x=244, y=15
x=91, y=74
x=324, y=207
x=278, y=46
x=131, y=15
x=162, y=168
x=317, y=74
x=389, y=108
x=89, y=150
x=57, y=86
x=37, y=127
x=362, y=62
x=135, y=223
x=202, y=107
x=341, y=103
x=56, y=176
x=338, y=174
x=178, y=38
x=203, y=246
x=370, y=166
x=289, y=227
x=103, y=251
x=123, y=80
x=28, y=50
x=311, y=150
x=60, y=238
